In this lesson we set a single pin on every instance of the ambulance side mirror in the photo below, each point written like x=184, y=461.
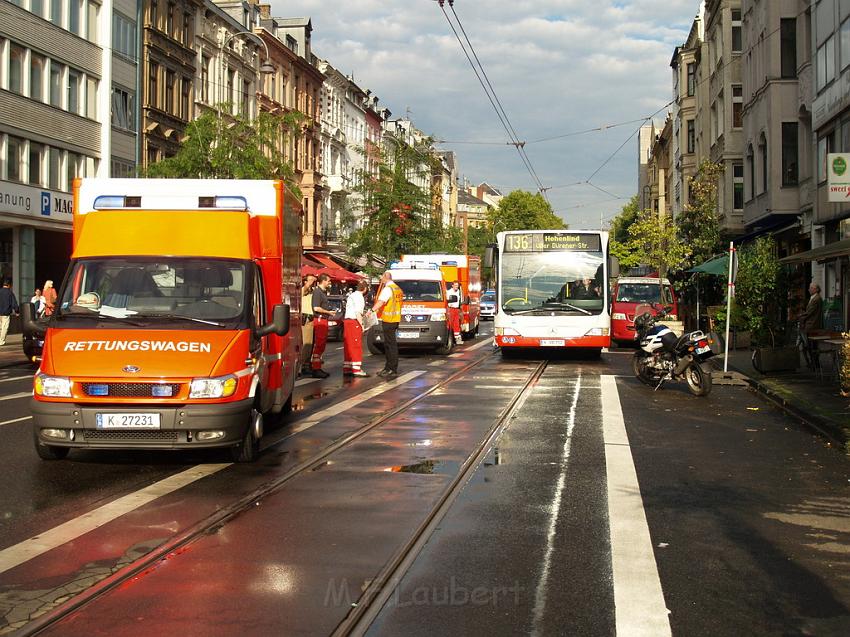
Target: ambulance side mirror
x=279, y=324
x=29, y=325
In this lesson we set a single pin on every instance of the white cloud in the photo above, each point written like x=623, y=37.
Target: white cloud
x=558, y=66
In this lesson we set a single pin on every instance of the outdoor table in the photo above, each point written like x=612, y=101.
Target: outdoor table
x=834, y=349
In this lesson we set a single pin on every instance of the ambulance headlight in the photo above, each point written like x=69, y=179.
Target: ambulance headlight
x=438, y=316
x=220, y=387
x=52, y=386
x=618, y=316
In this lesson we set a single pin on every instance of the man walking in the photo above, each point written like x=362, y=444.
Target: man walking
x=307, y=323
x=388, y=308
x=8, y=306
x=454, y=299
x=321, y=313
x=352, y=333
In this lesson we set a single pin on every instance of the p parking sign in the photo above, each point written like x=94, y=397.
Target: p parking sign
x=838, y=177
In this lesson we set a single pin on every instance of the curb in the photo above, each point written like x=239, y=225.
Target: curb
x=836, y=433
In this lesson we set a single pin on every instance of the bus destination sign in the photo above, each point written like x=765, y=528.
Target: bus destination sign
x=552, y=242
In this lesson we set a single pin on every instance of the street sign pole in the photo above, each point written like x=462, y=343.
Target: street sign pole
x=729, y=287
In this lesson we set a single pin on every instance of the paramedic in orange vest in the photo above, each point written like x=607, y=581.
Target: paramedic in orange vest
x=352, y=333
x=454, y=298
x=388, y=308
x=321, y=313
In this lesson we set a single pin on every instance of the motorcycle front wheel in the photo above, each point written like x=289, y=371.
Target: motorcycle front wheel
x=640, y=369
x=698, y=380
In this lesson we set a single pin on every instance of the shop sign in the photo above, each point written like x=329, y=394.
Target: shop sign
x=21, y=199
x=838, y=177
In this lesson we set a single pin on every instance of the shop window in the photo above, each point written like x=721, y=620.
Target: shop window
x=790, y=154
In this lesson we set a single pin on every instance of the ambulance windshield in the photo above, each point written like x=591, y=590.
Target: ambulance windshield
x=203, y=290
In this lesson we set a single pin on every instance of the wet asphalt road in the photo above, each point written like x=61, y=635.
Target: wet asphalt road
x=748, y=515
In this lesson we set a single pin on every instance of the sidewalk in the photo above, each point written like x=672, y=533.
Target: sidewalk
x=12, y=352
x=816, y=402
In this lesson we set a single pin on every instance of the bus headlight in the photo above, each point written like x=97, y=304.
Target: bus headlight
x=52, y=386
x=618, y=316
x=221, y=387
x=438, y=316
x=506, y=331
x=597, y=331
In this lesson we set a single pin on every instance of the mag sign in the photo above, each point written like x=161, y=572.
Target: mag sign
x=838, y=177
x=552, y=242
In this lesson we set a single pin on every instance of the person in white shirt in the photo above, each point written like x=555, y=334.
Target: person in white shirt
x=38, y=301
x=454, y=298
x=352, y=334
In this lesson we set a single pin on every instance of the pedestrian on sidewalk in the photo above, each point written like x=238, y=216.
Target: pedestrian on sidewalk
x=453, y=298
x=352, y=333
x=307, y=323
x=812, y=317
x=388, y=308
x=322, y=312
x=8, y=306
x=49, y=298
x=38, y=301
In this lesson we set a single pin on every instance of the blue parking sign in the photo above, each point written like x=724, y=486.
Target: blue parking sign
x=45, y=203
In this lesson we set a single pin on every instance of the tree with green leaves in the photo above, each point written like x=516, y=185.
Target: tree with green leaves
x=756, y=288
x=699, y=223
x=521, y=210
x=224, y=146
x=619, y=237
x=653, y=240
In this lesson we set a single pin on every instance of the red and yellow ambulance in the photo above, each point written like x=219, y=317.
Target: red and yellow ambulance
x=171, y=330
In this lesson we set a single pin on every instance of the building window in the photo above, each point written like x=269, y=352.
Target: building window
x=737, y=106
x=169, y=19
x=826, y=63
x=736, y=30
x=54, y=169
x=187, y=29
x=738, y=186
x=692, y=139
x=91, y=23
x=124, y=36
x=822, y=151
x=231, y=78
x=36, y=158
x=37, y=75
x=764, y=162
x=73, y=91
x=55, y=84
x=790, y=155
x=692, y=79
x=153, y=85
x=751, y=168
x=845, y=44
x=16, y=68
x=169, y=91
x=123, y=109
x=91, y=97
x=37, y=7
x=845, y=136
x=14, y=149
x=74, y=167
x=122, y=168
x=185, y=90
x=246, y=92
x=154, y=14
x=205, y=79
x=74, y=19
x=788, y=47
x=56, y=12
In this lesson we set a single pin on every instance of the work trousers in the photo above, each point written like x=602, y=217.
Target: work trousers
x=306, y=343
x=320, y=341
x=352, y=346
x=390, y=345
x=4, y=328
x=454, y=321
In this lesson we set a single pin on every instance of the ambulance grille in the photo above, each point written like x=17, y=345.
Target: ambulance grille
x=131, y=390
x=139, y=436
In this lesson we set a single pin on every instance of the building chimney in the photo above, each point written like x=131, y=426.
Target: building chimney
x=265, y=11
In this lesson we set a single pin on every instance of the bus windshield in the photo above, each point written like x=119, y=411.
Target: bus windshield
x=552, y=282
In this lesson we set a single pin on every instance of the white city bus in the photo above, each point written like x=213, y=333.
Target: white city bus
x=552, y=289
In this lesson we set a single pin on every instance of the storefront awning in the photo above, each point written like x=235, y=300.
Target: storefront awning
x=718, y=266
x=829, y=251
x=323, y=259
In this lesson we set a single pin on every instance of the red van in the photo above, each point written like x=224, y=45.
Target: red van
x=629, y=292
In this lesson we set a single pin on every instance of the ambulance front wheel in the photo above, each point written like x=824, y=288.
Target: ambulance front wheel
x=48, y=452
x=249, y=448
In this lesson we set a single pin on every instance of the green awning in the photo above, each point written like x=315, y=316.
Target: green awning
x=718, y=266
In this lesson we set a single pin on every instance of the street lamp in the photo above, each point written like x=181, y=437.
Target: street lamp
x=266, y=68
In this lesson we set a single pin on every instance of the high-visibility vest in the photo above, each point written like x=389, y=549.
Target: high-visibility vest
x=391, y=312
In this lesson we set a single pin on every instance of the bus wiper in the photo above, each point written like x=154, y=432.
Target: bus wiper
x=182, y=317
x=569, y=306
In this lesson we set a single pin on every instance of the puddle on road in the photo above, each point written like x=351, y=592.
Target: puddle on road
x=299, y=405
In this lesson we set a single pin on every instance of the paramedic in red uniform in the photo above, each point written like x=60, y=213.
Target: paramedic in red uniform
x=454, y=298
x=352, y=333
x=321, y=313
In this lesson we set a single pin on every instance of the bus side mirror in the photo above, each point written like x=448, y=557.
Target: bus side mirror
x=279, y=324
x=489, y=256
x=614, y=267
x=29, y=325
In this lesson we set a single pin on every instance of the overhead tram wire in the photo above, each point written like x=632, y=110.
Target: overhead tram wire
x=493, y=98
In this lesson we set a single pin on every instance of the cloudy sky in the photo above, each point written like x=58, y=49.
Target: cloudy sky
x=558, y=67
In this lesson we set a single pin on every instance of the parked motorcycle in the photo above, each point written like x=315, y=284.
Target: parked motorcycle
x=663, y=356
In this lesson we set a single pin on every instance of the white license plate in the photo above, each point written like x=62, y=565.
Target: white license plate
x=552, y=342
x=407, y=334
x=127, y=421
x=703, y=350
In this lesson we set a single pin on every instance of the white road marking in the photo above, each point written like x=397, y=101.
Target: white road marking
x=9, y=380
x=23, y=394
x=72, y=529
x=542, y=583
x=488, y=341
x=9, y=422
x=345, y=405
x=306, y=381
x=638, y=598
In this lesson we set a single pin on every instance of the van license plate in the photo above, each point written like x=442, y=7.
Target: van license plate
x=127, y=421
x=552, y=342
x=407, y=334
